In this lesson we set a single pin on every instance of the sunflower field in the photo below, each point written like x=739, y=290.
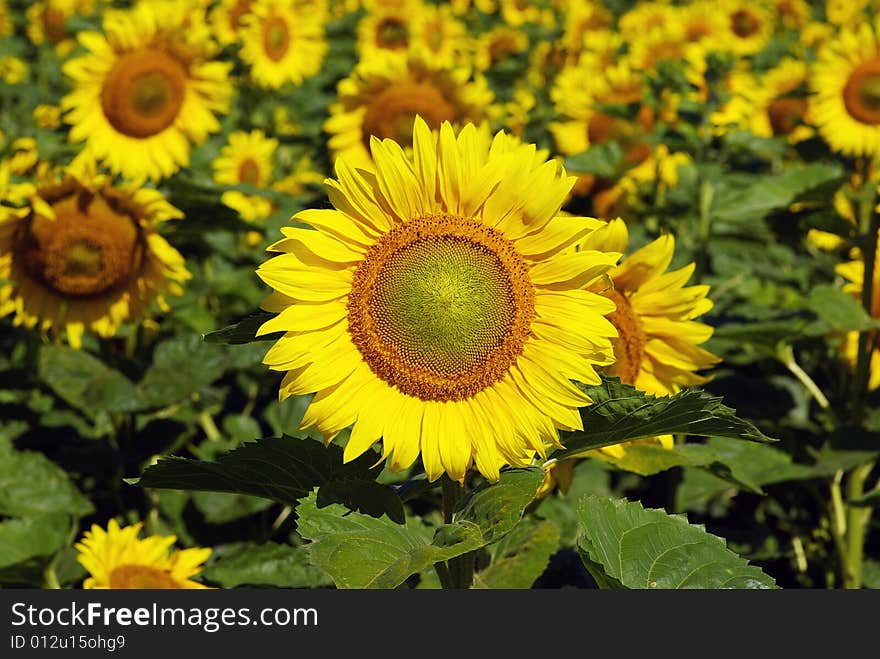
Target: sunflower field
x=413, y=294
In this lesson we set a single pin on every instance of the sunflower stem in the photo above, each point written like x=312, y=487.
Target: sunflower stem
x=858, y=518
x=786, y=355
x=461, y=568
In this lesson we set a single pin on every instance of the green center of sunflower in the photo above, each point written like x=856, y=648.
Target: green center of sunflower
x=440, y=307
x=85, y=251
x=276, y=38
x=143, y=93
x=141, y=577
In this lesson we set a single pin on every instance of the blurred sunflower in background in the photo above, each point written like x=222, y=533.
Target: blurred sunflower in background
x=282, y=43
x=116, y=558
x=246, y=158
x=845, y=81
x=436, y=306
x=82, y=254
x=47, y=22
x=384, y=94
x=147, y=90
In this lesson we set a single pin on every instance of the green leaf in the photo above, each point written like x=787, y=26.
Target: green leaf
x=269, y=564
x=282, y=470
x=838, y=309
x=31, y=484
x=181, y=366
x=521, y=556
x=496, y=507
x=621, y=413
x=222, y=507
x=359, y=551
x=244, y=331
x=603, y=160
x=29, y=537
x=647, y=548
x=85, y=382
x=764, y=194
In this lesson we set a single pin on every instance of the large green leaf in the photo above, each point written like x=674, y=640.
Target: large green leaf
x=29, y=537
x=85, y=382
x=763, y=194
x=282, y=470
x=359, y=551
x=181, y=366
x=31, y=484
x=621, y=413
x=521, y=556
x=646, y=548
x=269, y=564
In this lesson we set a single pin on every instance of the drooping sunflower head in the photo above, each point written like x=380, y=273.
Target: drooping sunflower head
x=435, y=308
x=845, y=105
x=282, y=43
x=117, y=558
x=658, y=337
x=82, y=255
x=385, y=93
x=146, y=90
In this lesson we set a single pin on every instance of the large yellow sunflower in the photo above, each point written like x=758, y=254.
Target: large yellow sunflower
x=436, y=309
x=146, y=90
x=247, y=158
x=845, y=81
x=118, y=559
x=383, y=95
x=282, y=43
x=81, y=254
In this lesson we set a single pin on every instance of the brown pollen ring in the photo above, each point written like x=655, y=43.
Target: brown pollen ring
x=413, y=376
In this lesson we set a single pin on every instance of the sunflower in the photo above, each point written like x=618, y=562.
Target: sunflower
x=47, y=22
x=383, y=95
x=793, y=14
x=13, y=70
x=146, y=90
x=247, y=158
x=118, y=559
x=386, y=31
x=440, y=37
x=657, y=345
x=226, y=20
x=845, y=12
x=6, y=26
x=517, y=13
x=854, y=272
x=498, y=45
x=749, y=26
x=845, y=105
x=82, y=254
x=282, y=43
x=435, y=308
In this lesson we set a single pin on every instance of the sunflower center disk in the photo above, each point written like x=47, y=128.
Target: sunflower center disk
x=391, y=114
x=392, y=34
x=141, y=576
x=249, y=172
x=744, y=23
x=276, y=38
x=861, y=95
x=441, y=307
x=143, y=93
x=629, y=347
x=79, y=254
